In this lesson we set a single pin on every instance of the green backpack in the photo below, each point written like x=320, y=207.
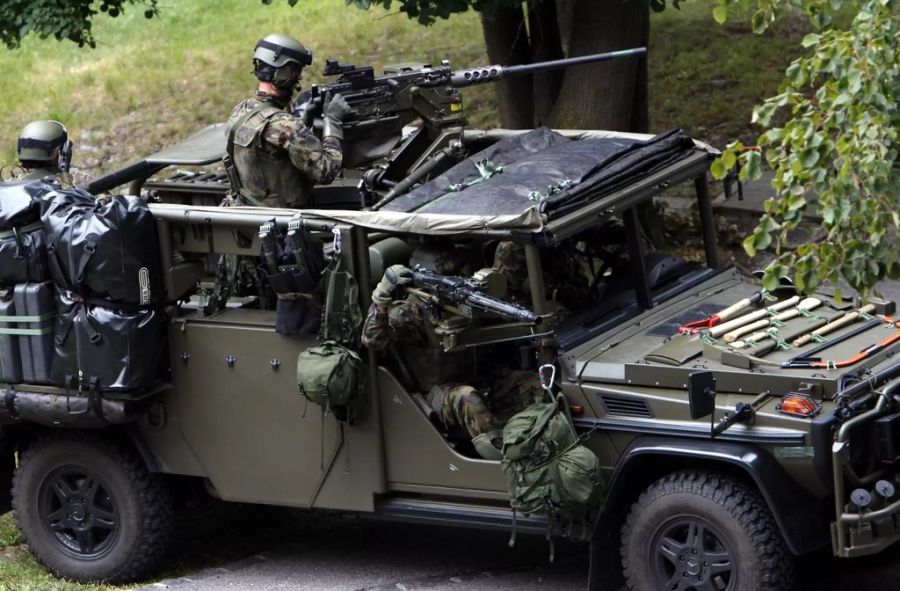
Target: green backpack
x=547, y=469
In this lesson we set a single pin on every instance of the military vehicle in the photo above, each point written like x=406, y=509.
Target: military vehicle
x=736, y=427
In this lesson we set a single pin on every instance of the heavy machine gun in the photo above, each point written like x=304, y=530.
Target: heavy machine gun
x=383, y=105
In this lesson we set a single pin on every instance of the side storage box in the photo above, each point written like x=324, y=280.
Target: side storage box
x=10, y=362
x=36, y=307
x=105, y=348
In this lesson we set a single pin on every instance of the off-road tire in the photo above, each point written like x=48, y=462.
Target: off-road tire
x=88, y=508
x=717, y=517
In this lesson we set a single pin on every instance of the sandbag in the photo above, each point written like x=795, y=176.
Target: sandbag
x=104, y=249
x=106, y=349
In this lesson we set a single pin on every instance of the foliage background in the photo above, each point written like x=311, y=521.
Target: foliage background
x=151, y=82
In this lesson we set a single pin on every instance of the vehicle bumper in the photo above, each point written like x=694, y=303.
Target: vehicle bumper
x=862, y=531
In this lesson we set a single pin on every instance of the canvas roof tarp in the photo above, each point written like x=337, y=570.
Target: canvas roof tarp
x=545, y=169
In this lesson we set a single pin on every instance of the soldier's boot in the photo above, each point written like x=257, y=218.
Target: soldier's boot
x=488, y=445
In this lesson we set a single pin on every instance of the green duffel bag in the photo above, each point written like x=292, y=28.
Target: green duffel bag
x=330, y=375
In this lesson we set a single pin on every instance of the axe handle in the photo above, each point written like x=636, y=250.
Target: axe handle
x=727, y=327
x=733, y=309
x=846, y=319
x=739, y=332
x=807, y=304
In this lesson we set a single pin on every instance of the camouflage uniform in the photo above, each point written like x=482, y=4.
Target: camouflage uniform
x=276, y=156
x=509, y=260
x=65, y=179
x=409, y=324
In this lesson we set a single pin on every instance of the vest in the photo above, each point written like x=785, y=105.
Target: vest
x=264, y=173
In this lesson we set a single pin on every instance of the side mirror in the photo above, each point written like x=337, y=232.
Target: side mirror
x=702, y=394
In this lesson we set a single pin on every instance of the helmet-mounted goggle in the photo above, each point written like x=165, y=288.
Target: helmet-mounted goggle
x=50, y=145
x=304, y=57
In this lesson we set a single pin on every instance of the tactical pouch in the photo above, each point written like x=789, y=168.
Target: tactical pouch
x=297, y=313
x=295, y=280
x=329, y=375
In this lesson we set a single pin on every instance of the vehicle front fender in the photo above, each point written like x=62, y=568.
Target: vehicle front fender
x=802, y=518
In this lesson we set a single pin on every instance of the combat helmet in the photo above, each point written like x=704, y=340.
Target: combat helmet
x=41, y=142
x=278, y=59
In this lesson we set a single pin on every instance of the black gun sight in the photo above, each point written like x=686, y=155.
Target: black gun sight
x=335, y=68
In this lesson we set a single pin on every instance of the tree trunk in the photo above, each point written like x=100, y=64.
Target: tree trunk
x=506, y=40
x=610, y=95
x=544, y=34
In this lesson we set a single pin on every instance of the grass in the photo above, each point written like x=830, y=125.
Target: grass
x=151, y=82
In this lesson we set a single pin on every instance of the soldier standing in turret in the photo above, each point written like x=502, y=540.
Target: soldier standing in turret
x=273, y=156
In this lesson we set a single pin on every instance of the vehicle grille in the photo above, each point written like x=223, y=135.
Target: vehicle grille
x=625, y=406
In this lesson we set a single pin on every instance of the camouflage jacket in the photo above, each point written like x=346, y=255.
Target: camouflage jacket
x=65, y=179
x=409, y=324
x=280, y=136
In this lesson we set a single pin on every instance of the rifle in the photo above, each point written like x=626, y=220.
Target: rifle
x=461, y=291
x=383, y=105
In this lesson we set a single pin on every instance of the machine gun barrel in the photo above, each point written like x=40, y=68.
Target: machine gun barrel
x=460, y=291
x=493, y=73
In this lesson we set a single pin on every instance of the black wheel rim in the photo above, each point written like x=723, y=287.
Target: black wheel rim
x=79, y=512
x=689, y=554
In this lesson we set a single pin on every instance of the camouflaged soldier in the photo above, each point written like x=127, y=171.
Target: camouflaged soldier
x=44, y=150
x=273, y=157
x=479, y=413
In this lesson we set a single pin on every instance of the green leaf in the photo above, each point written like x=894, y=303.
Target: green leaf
x=809, y=157
x=753, y=166
x=762, y=240
x=749, y=244
x=770, y=280
x=720, y=13
x=729, y=159
x=810, y=40
x=838, y=296
x=718, y=168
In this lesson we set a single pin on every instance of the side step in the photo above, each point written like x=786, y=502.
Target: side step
x=415, y=510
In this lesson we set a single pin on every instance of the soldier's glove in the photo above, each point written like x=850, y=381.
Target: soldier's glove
x=334, y=114
x=307, y=112
x=394, y=277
